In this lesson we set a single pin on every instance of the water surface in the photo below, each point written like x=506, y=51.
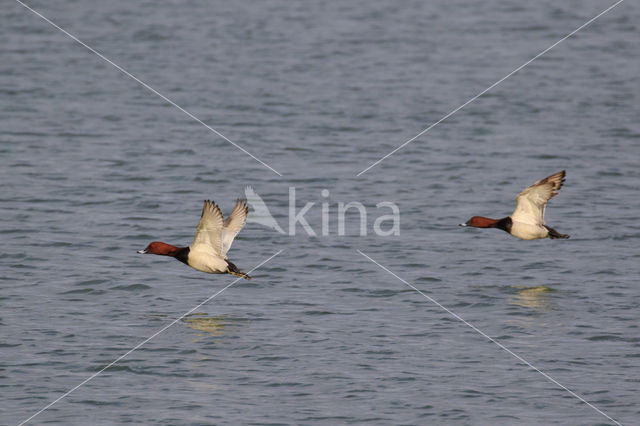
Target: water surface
x=94, y=167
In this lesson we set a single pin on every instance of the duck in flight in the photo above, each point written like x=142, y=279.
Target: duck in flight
x=214, y=235
x=527, y=221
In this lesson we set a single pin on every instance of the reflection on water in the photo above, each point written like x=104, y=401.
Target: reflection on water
x=202, y=322
x=537, y=297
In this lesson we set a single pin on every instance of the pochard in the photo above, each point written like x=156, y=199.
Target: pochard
x=527, y=221
x=214, y=235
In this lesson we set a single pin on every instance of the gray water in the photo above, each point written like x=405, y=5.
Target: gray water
x=94, y=166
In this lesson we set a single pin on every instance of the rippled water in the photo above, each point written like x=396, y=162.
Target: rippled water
x=94, y=166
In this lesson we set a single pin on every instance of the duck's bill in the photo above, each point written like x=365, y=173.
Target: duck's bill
x=460, y=224
x=142, y=251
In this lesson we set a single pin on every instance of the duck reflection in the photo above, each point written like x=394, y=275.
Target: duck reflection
x=538, y=297
x=203, y=322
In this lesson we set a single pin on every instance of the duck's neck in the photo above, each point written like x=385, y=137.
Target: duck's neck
x=182, y=254
x=486, y=222
x=504, y=224
x=164, y=249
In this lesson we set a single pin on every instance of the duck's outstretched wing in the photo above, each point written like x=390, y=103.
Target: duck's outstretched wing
x=233, y=224
x=209, y=230
x=531, y=202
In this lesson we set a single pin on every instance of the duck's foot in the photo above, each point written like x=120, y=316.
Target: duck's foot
x=240, y=274
x=553, y=234
x=233, y=270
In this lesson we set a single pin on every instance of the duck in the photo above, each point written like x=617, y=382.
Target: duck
x=214, y=235
x=527, y=220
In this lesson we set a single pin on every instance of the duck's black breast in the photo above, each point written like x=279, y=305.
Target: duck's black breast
x=505, y=224
x=183, y=255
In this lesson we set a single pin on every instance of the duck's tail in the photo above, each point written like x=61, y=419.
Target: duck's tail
x=233, y=270
x=553, y=234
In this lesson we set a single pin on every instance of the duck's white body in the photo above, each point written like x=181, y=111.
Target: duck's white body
x=527, y=231
x=206, y=261
x=528, y=217
x=214, y=235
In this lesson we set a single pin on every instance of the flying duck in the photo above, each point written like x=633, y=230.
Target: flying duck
x=214, y=235
x=527, y=221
